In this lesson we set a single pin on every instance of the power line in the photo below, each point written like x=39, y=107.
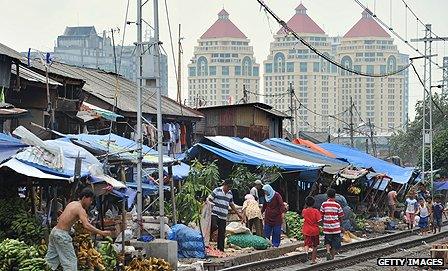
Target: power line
x=171, y=39
x=124, y=35
x=394, y=32
x=269, y=95
x=287, y=29
x=316, y=113
x=420, y=21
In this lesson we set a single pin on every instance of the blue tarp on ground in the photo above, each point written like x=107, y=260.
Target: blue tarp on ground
x=357, y=158
x=239, y=151
x=285, y=147
x=9, y=146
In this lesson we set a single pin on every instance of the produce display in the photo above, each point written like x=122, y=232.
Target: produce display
x=248, y=240
x=294, y=225
x=151, y=264
x=108, y=254
x=360, y=223
x=16, y=222
x=354, y=190
x=16, y=255
x=88, y=257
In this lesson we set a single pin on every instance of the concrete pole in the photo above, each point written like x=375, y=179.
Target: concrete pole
x=139, y=117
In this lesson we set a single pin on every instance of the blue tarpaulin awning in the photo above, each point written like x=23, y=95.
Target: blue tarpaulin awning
x=9, y=146
x=332, y=166
x=357, y=158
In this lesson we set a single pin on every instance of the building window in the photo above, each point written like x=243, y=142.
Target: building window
x=247, y=66
x=391, y=64
x=268, y=68
x=237, y=70
x=357, y=68
x=383, y=69
x=303, y=67
x=370, y=69
x=212, y=70
x=290, y=67
x=192, y=71
x=225, y=70
x=316, y=67
x=347, y=63
x=202, y=66
x=279, y=62
x=256, y=71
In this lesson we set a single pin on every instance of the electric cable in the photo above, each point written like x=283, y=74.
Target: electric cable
x=287, y=30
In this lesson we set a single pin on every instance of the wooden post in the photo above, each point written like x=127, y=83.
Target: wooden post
x=33, y=199
x=173, y=195
x=123, y=226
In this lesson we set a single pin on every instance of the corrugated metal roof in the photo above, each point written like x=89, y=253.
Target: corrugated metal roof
x=102, y=85
x=33, y=76
x=5, y=50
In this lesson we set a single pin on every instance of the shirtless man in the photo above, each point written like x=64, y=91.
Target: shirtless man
x=60, y=247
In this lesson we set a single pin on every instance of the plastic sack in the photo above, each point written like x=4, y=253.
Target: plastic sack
x=248, y=240
x=127, y=236
x=206, y=221
x=190, y=243
x=236, y=228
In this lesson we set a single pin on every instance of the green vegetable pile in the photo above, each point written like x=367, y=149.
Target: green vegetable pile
x=16, y=255
x=360, y=223
x=109, y=254
x=16, y=222
x=294, y=225
x=248, y=240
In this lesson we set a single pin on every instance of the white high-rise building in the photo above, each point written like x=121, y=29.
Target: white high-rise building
x=223, y=66
x=314, y=80
x=367, y=47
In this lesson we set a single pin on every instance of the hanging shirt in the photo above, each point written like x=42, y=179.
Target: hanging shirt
x=183, y=134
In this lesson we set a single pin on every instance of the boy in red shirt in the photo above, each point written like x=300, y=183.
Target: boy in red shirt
x=332, y=217
x=310, y=229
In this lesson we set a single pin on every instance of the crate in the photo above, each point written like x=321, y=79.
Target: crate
x=440, y=251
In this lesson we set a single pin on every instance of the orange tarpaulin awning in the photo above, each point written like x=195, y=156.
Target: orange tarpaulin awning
x=313, y=147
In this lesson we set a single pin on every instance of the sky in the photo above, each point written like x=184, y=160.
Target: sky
x=36, y=24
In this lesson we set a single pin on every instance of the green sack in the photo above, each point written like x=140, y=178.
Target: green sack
x=248, y=240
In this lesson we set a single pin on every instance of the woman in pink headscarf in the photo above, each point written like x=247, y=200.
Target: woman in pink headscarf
x=252, y=214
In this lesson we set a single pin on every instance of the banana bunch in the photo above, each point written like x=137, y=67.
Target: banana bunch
x=25, y=227
x=16, y=254
x=151, y=264
x=34, y=264
x=109, y=254
x=88, y=257
x=354, y=190
x=42, y=248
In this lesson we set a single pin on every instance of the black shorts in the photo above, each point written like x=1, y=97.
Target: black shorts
x=334, y=240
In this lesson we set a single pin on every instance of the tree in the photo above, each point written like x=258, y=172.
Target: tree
x=408, y=144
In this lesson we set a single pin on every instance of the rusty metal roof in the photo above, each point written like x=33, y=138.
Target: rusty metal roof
x=262, y=106
x=5, y=50
x=33, y=76
x=103, y=85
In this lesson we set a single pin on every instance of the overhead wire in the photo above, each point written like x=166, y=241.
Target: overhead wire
x=124, y=35
x=287, y=30
x=393, y=32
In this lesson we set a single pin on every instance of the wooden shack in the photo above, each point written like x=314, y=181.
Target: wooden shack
x=257, y=121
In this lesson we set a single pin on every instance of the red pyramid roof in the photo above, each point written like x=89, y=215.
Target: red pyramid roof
x=223, y=28
x=366, y=27
x=302, y=23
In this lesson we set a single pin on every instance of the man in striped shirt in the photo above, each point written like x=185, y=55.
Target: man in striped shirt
x=332, y=217
x=221, y=198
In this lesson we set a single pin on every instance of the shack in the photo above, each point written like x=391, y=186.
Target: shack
x=257, y=121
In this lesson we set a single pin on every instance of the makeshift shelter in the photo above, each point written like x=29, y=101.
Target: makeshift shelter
x=313, y=146
x=360, y=159
x=9, y=146
x=332, y=166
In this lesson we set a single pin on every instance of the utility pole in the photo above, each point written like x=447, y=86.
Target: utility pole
x=372, y=138
x=427, y=130
x=351, y=122
x=244, y=94
x=179, y=69
x=159, y=119
x=445, y=78
x=291, y=96
x=139, y=139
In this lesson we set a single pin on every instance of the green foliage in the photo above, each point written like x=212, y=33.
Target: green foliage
x=198, y=185
x=243, y=178
x=408, y=144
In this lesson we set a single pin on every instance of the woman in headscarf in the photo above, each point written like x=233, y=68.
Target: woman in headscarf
x=252, y=214
x=273, y=210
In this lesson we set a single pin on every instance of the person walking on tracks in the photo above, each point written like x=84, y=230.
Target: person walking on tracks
x=332, y=217
x=411, y=210
x=273, y=210
x=221, y=198
x=437, y=211
x=423, y=211
x=310, y=227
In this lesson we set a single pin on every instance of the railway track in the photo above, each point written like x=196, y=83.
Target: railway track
x=349, y=254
